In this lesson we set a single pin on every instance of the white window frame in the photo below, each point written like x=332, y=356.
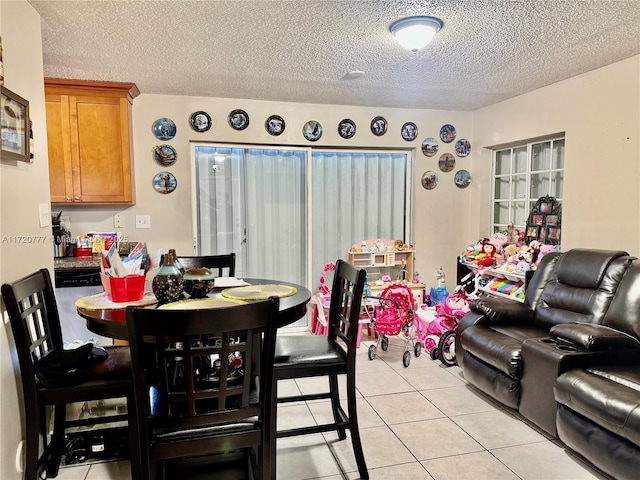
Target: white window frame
x=528, y=173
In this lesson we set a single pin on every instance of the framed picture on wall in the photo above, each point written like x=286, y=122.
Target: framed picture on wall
x=551, y=220
x=14, y=126
x=532, y=231
x=553, y=233
x=537, y=219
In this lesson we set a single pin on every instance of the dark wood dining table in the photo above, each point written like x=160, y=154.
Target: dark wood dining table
x=112, y=323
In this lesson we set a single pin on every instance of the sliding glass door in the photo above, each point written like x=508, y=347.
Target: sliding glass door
x=252, y=201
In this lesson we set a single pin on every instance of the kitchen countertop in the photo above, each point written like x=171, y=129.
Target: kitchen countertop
x=73, y=263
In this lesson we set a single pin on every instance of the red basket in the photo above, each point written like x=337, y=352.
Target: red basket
x=124, y=289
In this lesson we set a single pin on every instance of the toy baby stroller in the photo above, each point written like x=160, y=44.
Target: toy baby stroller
x=395, y=316
x=454, y=307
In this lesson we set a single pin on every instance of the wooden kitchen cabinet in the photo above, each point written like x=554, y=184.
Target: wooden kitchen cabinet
x=89, y=137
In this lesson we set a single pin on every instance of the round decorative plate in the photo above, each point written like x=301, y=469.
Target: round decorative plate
x=462, y=179
x=447, y=162
x=200, y=121
x=379, y=126
x=429, y=180
x=430, y=147
x=165, y=182
x=164, y=129
x=258, y=292
x=238, y=119
x=201, y=303
x=164, y=155
x=447, y=133
x=275, y=125
x=312, y=130
x=463, y=147
x=347, y=128
x=409, y=131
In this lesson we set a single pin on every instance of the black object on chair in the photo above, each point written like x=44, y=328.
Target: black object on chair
x=33, y=314
x=299, y=356
x=194, y=397
x=224, y=265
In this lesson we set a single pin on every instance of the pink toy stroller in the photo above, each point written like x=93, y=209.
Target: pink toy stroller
x=454, y=307
x=395, y=316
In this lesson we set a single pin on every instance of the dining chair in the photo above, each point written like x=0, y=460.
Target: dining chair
x=223, y=265
x=300, y=356
x=193, y=397
x=33, y=314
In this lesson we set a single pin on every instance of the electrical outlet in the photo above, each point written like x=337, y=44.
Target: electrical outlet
x=44, y=214
x=143, y=221
x=118, y=221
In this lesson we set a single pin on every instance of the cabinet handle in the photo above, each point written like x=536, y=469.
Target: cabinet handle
x=68, y=199
x=75, y=199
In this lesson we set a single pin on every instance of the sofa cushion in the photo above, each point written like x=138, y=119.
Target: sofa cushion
x=499, y=346
x=585, y=268
x=609, y=396
x=624, y=312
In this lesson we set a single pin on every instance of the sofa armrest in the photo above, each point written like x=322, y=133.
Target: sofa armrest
x=502, y=310
x=595, y=338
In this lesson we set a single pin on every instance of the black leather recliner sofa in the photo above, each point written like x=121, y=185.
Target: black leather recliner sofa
x=568, y=358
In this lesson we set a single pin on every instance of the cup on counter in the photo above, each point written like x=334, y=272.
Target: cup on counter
x=123, y=289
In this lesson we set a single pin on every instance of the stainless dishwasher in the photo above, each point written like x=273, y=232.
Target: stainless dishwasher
x=70, y=285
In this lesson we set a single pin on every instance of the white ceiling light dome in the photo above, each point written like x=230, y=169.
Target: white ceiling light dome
x=414, y=33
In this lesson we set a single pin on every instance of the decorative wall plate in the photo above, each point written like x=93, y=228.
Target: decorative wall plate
x=379, y=126
x=200, y=121
x=164, y=182
x=447, y=133
x=429, y=180
x=312, y=130
x=447, y=162
x=164, y=129
x=347, y=128
x=430, y=147
x=275, y=125
x=409, y=131
x=463, y=147
x=462, y=179
x=238, y=119
x=164, y=155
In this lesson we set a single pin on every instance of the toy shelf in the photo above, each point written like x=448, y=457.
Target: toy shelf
x=383, y=255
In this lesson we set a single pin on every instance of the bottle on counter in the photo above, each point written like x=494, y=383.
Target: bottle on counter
x=176, y=262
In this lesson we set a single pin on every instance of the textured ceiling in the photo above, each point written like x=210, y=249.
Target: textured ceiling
x=300, y=50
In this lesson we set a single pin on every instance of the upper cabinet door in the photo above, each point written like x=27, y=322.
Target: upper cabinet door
x=88, y=128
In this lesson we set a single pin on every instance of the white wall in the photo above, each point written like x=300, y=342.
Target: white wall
x=600, y=113
x=23, y=187
x=441, y=214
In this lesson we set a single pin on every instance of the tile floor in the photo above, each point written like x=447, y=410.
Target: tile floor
x=417, y=423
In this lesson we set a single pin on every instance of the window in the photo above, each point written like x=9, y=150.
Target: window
x=286, y=212
x=522, y=174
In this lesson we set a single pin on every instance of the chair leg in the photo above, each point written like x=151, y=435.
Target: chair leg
x=55, y=448
x=271, y=429
x=335, y=405
x=32, y=441
x=354, y=430
x=134, y=452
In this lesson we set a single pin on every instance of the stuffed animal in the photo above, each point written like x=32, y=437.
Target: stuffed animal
x=544, y=249
x=488, y=256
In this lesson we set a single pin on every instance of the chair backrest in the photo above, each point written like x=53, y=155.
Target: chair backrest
x=223, y=265
x=33, y=314
x=346, y=300
x=192, y=368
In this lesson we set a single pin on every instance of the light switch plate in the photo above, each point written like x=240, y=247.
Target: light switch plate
x=44, y=214
x=143, y=221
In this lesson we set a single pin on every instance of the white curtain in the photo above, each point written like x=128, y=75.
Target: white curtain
x=355, y=196
x=253, y=202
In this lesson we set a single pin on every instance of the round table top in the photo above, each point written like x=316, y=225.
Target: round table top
x=112, y=323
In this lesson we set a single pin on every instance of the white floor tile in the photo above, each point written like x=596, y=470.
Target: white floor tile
x=543, y=460
x=497, y=429
x=435, y=438
x=404, y=407
x=367, y=416
x=458, y=400
x=304, y=457
x=429, y=378
x=382, y=383
x=476, y=466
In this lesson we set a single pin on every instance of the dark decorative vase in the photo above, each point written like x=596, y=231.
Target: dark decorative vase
x=176, y=262
x=167, y=284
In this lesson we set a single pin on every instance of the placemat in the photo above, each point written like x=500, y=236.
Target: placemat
x=100, y=301
x=259, y=292
x=201, y=303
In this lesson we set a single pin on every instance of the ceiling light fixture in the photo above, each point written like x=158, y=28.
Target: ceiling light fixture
x=414, y=33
